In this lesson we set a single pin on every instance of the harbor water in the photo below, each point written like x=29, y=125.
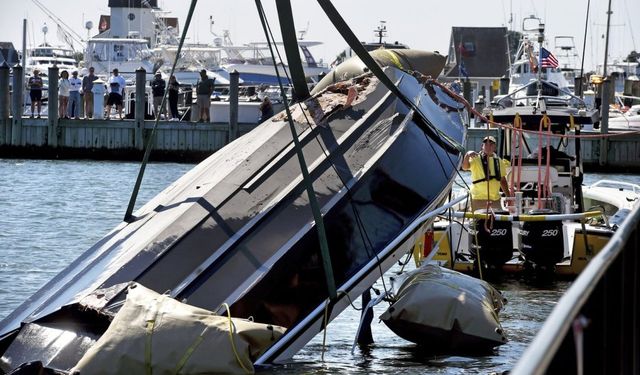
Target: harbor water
x=52, y=211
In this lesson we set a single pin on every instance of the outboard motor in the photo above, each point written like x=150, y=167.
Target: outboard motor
x=494, y=247
x=542, y=242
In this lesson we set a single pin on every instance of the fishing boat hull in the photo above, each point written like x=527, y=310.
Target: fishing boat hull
x=238, y=228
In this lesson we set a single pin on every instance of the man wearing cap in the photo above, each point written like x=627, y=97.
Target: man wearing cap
x=157, y=89
x=204, y=91
x=488, y=173
x=75, y=84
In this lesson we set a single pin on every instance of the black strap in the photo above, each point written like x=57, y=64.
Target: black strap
x=487, y=172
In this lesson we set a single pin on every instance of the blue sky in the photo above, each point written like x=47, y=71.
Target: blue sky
x=423, y=24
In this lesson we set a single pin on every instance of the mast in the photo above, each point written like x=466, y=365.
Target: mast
x=606, y=43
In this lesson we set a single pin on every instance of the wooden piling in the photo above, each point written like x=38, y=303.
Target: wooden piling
x=18, y=105
x=141, y=80
x=233, y=105
x=604, y=120
x=5, y=105
x=52, y=107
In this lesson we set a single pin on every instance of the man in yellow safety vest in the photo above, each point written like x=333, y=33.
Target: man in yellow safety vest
x=488, y=173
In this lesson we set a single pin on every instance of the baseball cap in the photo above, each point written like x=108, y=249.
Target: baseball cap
x=489, y=138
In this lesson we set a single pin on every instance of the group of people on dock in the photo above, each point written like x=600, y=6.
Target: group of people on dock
x=74, y=92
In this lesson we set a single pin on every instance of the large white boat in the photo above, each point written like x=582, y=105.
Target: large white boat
x=525, y=65
x=125, y=54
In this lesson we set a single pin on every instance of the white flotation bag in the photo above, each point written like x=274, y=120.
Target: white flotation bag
x=153, y=333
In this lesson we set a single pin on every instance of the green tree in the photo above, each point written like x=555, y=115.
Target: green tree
x=632, y=57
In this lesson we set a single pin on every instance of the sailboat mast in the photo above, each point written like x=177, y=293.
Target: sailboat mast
x=606, y=43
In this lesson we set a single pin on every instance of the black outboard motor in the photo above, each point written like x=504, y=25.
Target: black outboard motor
x=494, y=247
x=542, y=242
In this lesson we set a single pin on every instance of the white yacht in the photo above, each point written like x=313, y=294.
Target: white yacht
x=125, y=54
x=524, y=69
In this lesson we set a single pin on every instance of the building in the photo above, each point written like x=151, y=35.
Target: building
x=481, y=54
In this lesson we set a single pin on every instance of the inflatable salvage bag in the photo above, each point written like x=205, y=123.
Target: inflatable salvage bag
x=154, y=332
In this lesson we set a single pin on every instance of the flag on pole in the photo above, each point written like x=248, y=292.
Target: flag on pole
x=463, y=70
x=547, y=60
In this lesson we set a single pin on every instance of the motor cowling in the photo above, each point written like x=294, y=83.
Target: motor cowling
x=493, y=243
x=542, y=241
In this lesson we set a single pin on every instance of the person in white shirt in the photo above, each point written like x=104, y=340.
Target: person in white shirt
x=116, y=87
x=74, y=95
x=63, y=93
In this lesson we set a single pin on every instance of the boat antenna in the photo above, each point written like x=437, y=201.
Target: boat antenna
x=540, y=41
x=45, y=30
x=584, y=47
x=381, y=31
x=128, y=216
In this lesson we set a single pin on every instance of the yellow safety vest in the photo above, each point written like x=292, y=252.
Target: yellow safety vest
x=479, y=187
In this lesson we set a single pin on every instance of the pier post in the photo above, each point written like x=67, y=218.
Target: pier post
x=52, y=106
x=466, y=91
x=5, y=123
x=504, y=85
x=141, y=80
x=233, y=105
x=604, y=119
x=17, y=104
x=577, y=86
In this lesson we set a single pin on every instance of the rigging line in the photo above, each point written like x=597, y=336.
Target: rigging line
x=584, y=46
x=630, y=22
x=353, y=41
x=128, y=216
x=324, y=247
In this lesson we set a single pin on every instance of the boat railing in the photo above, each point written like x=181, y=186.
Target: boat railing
x=594, y=326
x=516, y=97
x=634, y=188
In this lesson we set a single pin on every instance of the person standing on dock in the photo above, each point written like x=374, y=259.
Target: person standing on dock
x=116, y=90
x=488, y=175
x=174, y=90
x=87, y=86
x=64, y=87
x=74, y=95
x=157, y=89
x=204, y=90
x=35, y=91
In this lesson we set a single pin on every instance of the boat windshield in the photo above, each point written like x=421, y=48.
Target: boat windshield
x=117, y=51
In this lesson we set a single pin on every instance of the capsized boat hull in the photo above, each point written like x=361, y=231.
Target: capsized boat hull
x=238, y=229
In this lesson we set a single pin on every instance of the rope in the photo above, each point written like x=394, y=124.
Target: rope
x=147, y=148
x=325, y=322
x=233, y=344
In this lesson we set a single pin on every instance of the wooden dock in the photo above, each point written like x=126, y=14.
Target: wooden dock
x=192, y=142
x=185, y=141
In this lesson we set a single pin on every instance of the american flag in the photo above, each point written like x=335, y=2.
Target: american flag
x=547, y=60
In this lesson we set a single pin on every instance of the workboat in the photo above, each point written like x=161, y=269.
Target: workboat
x=552, y=224
x=238, y=230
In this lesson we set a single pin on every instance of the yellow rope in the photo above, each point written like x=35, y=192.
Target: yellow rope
x=190, y=351
x=149, y=330
x=233, y=345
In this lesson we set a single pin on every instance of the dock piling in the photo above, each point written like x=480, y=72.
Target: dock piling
x=604, y=120
x=233, y=104
x=5, y=123
x=52, y=106
x=17, y=102
x=141, y=81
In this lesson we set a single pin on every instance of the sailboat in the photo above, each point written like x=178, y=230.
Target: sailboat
x=238, y=229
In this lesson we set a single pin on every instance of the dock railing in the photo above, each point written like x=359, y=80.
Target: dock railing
x=595, y=327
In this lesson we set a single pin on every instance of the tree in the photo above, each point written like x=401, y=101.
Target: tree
x=632, y=57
